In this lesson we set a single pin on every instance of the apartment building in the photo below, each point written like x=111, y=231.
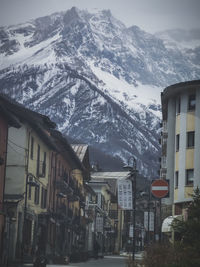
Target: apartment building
x=180, y=161
x=6, y=120
x=26, y=182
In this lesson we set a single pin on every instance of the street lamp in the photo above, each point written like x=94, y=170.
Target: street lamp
x=133, y=175
x=150, y=205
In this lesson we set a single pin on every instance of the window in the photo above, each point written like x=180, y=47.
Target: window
x=32, y=147
x=38, y=160
x=178, y=106
x=62, y=171
x=44, y=198
x=190, y=139
x=189, y=176
x=37, y=195
x=59, y=168
x=44, y=165
x=176, y=179
x=177, y=142
x=29, y=192
x=41, y=165
x=191, y=102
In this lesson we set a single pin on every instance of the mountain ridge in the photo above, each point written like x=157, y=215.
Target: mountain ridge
x=97, y=79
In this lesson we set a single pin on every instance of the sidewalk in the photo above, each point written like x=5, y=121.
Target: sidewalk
x=20, y=264
x=138, y=255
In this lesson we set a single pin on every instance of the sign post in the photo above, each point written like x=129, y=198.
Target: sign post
x=160, y=188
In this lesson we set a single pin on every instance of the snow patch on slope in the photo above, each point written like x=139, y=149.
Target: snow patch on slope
x=28, y=55
x=129, y=94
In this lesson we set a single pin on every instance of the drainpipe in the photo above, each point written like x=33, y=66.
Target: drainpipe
x=25, y=200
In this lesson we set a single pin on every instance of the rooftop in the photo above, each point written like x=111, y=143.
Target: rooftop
x=177, y=88
x=80, y=150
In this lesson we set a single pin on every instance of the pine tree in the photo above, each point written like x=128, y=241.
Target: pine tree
x=189, y=232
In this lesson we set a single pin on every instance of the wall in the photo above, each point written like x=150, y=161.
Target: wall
x=16, y=161
x=3, y=147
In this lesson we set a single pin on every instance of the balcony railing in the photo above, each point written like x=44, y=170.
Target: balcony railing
x=63, y=187
x=65, y=177
x=62, y=209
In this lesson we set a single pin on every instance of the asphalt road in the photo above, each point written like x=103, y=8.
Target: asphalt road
x=107, y=261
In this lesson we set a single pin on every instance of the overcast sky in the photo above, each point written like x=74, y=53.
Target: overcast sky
x=150, y=15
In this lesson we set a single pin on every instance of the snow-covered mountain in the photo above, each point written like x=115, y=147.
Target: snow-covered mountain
x=97, y=79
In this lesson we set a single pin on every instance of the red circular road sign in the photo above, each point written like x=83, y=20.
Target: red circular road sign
x=159, y=188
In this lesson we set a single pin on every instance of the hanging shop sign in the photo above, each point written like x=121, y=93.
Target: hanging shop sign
x=125, y=195
x=151, y=221
x=131, y=231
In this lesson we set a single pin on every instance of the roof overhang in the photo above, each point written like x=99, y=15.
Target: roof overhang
x=174, y=90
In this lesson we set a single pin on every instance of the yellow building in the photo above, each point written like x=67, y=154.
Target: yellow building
x=27, y=173
x=181, y=143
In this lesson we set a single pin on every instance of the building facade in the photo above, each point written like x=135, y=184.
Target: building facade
x=27, y=173
x=65, y=203
x=6, y=120
x=117, y=234
x=180, y=144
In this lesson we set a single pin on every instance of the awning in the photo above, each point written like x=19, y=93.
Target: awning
x=166, y=225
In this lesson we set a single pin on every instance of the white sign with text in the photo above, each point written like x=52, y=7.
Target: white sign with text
x=125, y=195
x=151, y=221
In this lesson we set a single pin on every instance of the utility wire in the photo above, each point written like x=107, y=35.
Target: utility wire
x=16, y=150
x=41, y=161
x=17, y=144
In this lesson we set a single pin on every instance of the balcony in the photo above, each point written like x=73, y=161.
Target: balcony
x=72, y=183
x=73, y=198
x=163, y=173
x=63, y=187
x=163, y=162
x=164, y=127
x=62, y=209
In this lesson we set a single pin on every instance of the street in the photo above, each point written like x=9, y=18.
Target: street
x=107, y=261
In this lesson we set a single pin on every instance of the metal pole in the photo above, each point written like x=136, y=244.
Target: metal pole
x=155, y=221
x=120, y=229
x=7, y=262
x=148, y=236
x=134, y=207
x=24, y=223
x=160, y=226
x=25, y=201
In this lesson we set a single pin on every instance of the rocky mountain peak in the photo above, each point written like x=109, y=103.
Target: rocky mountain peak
x=71, y=16
x=106, y=12
x=97, y=79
